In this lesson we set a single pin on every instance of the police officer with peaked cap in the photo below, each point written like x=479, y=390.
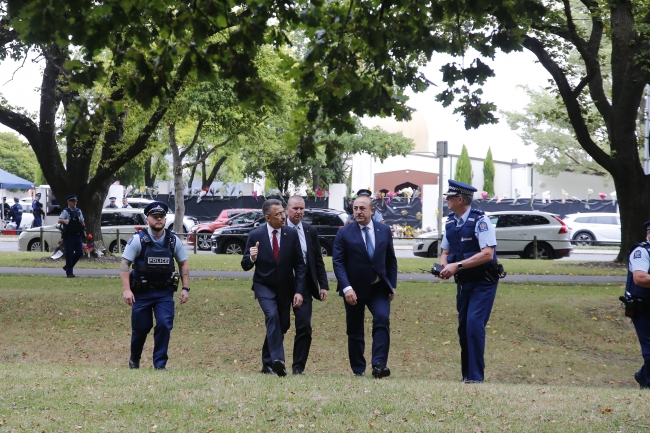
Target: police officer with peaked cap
x=468, y=254
x=37, y=210
x=72, y=227
x=112, y=204
x=16, y=213
x=149, y=287
x=637, y=299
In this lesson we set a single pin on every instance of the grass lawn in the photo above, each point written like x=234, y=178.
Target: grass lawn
x=559, y=358
x=222, y=262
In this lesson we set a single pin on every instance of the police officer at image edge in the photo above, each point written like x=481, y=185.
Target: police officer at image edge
x=149, y=287
x=637, y=302
x=72, y=229
x=469, y=255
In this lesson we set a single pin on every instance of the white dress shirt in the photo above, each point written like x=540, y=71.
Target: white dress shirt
x=270, y=229
x=301, y=237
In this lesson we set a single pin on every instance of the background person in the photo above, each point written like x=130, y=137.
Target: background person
x=16, y=213
x=73, y=226
x=316, y=275
x=149, y=288
x=366, y=269
x=468, y=252
x=125, y=203
x=37, y=211
x=278, y=282
x=111, y=204
x=376, y=215
x=637, y=291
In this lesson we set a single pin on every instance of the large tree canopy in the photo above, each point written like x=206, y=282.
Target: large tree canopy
x=16, y=157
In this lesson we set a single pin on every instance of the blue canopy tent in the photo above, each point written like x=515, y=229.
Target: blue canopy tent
x=11, y=181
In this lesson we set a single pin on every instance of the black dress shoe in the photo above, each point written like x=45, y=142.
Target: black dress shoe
x=472, y=381
x=71, y=276
x=267, y=370
x=640, y=381
x=160, y=368
x=134, y=364
x=278, y=367
x=360, y=374
x=379, y=372
x=296, y=371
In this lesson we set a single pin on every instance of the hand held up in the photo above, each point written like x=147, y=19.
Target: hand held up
x=253, y=251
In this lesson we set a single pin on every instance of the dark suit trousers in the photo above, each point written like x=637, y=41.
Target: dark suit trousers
x=378, y=304
x=302, y=342
x=278, y=319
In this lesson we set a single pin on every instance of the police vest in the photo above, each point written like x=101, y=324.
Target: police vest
x=74, y=227
x=463, y=242
x=156, y=259
x=17, y=211
x=630, y=287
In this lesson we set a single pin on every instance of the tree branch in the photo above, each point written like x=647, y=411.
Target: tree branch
x=21, y=124
x=189, y=148
x=207, y=153
x=570, y=101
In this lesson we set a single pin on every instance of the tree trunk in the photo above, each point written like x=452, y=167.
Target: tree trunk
x=91, y=202
x=149, y=180
x=213, y=173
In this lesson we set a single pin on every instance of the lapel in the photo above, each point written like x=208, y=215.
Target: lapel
x=306, y=230
x=284, y=243
x=266, y=242
x=358, y=238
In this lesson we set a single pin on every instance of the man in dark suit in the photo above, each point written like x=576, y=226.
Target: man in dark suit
x=316, y=276
x=278, y=282
x=366, y=269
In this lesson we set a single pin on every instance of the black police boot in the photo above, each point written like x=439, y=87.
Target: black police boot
x=133, y=364
x=640, y=381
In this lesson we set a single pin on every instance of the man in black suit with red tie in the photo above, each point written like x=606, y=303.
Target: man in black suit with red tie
x=316, y=276
x=279, y=279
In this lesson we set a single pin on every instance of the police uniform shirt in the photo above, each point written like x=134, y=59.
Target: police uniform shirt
x=134, y=247
x=484, y=231
x=301, y=236
x=639, y=260
x=65, y=215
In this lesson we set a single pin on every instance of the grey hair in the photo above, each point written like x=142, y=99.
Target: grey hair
x=266, y=207
x=467, y=199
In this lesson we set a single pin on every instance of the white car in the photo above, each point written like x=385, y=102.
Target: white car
x=515, y=231
x=141, y=203
x=127, y=221
x=594, y=228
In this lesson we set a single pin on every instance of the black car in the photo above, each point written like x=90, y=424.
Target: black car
x=232, y=239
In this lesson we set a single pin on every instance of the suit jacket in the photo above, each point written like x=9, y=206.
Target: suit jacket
x=316, y=274
x=352, y=264
x=271, y=279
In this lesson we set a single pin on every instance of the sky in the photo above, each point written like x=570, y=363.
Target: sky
x=19, y=86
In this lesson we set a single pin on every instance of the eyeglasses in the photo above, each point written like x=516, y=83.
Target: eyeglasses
x=279, y=214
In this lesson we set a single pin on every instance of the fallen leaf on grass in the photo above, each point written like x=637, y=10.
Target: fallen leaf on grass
x=606, y=410
x=377, y=412
x=446, y=342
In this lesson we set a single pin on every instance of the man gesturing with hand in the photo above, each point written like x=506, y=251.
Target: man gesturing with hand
x=278, y=282
x=365, y=266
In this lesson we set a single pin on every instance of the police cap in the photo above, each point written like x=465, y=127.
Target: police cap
x=156, y=208
x=38, y=194
x=112, y=198
x=458, y=188
x=72, y=197
x=646, y=225
x=364, y=193
x=16, y=199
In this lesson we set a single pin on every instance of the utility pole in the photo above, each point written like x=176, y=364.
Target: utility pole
x=441, y=153
x=646, y=141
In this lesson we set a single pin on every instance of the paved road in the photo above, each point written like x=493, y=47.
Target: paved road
x=81, y=272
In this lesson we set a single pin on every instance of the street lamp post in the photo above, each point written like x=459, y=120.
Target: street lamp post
x=441, y=154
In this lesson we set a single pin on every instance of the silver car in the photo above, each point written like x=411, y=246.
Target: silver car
x=188, y=221
x=123, y=221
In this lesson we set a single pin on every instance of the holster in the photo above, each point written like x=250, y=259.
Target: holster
x=176, y=279
x=137, y=284
x=632, y=305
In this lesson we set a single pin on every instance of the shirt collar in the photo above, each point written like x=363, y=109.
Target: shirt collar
x=290, y=224
x=270, y=228
x=465, y=216
x=370, y=226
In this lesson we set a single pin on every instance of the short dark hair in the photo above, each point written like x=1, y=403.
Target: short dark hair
x=266, y=207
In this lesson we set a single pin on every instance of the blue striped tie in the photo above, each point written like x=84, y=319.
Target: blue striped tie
x=369, y=246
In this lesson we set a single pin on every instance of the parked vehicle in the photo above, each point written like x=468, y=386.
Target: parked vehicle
x=515, y=231
x=188, y=221
x=597, y=227
x=232, y=239
x=205, y=230
x=127, y=221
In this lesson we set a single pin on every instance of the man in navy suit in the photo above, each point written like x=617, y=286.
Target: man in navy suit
x=316, y=276
x=366, y=269
x=278, y=282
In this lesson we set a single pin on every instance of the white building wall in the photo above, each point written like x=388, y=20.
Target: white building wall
x=575, y=184
x=362, y=172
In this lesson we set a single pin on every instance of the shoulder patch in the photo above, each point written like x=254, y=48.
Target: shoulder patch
x=482, y=227
x=637, y=254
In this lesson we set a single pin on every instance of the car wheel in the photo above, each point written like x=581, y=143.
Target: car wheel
x=325, y=250
x=234, y=247
x=35, y=245
x=583, y=239
x=433, y=250
x=544, y=252
x=113, y=247
x=203, y=240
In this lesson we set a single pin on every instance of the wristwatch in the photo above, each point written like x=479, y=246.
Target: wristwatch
x=460, y=265
x=185, y=288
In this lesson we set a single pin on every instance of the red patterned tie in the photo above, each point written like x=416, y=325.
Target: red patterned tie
x=276, y=247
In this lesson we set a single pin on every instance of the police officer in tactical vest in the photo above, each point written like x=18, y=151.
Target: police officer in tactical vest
x=37, y=211
x=149, y=288
x=469, y=255
x=637, y=302
x=72, y=229
x=16, y=213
